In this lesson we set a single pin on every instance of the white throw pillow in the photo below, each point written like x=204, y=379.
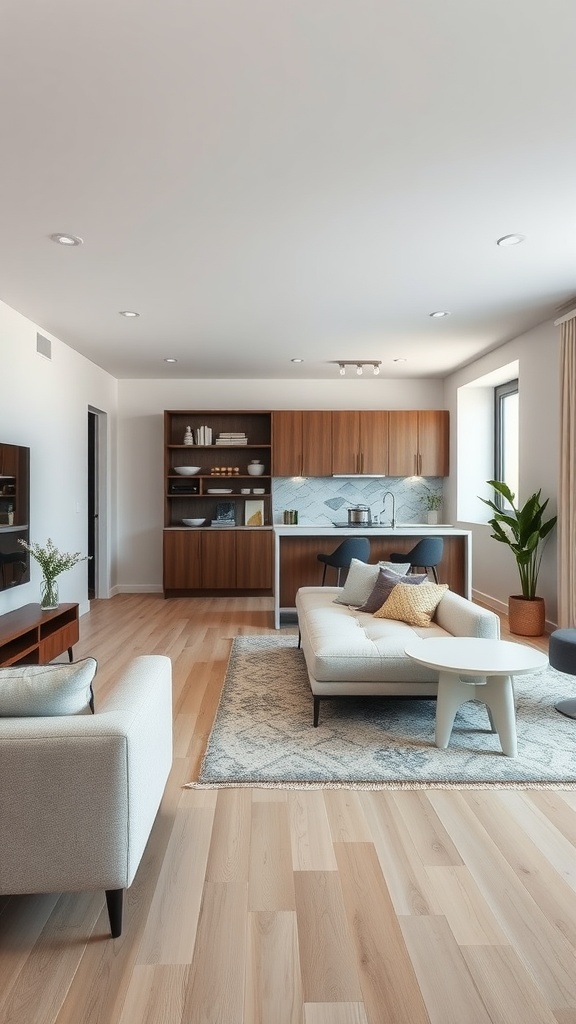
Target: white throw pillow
x=31, y=691
x=361, y=580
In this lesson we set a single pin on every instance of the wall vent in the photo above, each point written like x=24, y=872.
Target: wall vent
x=44, y=346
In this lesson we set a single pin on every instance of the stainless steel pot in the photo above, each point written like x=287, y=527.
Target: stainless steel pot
x=359, y=515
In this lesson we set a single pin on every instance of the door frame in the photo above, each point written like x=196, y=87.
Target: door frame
x=98, y=479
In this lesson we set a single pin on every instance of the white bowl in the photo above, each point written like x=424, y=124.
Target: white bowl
x=193, y=522
x=186, y=470
x=258, y=490
x=255, y=470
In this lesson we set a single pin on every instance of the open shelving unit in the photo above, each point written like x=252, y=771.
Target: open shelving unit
x=223, y=467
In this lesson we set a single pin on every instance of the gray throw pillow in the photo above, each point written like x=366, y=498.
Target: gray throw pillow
x=34, y=691
x=384, y=586
x=361, y=579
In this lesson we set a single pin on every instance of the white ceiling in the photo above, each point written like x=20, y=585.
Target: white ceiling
x=267, y=179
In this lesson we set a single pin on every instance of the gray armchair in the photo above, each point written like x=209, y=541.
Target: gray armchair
x=80, y=793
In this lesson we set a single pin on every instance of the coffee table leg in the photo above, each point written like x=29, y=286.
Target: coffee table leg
x=499, y=698
x=451, y=694
x=491, y=719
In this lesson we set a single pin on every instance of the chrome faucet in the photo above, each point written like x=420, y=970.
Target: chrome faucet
x=393, y=520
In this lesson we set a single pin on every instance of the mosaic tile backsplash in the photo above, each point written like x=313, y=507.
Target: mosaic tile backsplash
x=322, y=501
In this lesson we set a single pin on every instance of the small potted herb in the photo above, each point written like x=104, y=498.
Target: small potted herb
x=432, y=504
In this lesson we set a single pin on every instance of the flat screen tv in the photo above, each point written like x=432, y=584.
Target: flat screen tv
x=14, y=515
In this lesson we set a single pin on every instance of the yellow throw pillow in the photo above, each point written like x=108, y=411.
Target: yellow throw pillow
x=414, y=605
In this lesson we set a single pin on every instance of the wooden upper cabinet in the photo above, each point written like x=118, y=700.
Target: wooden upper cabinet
x=403, y=442
x=302, y=443
x=360, y=442
x=434, y=442
x=418, y=442
x=374, y=442
x=317, y=443
x=286, y=443
x=346, y=442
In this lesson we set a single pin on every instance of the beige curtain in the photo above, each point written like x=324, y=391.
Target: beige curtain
x=567, y=482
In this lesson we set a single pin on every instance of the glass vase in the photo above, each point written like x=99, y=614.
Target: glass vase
x=48, y=594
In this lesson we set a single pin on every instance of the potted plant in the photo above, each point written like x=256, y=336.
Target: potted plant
x=432, y=504
x=523, y=530
x=52, y=562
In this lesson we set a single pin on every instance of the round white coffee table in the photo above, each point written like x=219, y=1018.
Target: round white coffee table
x=495, y=661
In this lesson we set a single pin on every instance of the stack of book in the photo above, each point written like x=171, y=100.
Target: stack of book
x=203, y=435
x=231, y=437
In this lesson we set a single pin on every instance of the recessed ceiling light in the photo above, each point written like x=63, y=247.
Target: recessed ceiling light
x=400, y=360
x=66, y=239
x=170, y=359
x=296, y=360
x=510, y=240
x=128, y=312
x=438, y=313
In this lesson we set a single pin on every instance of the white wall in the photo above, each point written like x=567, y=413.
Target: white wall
x=45, y=407
x=494, y=570
x=141, y=405
x=45, y=403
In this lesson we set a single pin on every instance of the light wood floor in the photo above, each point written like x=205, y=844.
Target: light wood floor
x=275, y=907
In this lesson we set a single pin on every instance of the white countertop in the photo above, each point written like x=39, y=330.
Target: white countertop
x=403, y=529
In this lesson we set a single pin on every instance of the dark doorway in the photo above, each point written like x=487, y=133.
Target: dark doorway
x=92, y=501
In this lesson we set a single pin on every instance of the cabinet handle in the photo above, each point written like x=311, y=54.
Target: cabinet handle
x=415, y=464
x=419, y=464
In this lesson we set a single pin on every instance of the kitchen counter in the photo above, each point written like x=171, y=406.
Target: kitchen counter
x=296, y=549
x=400, y=530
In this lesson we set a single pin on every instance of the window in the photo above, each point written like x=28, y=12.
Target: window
x=506, y=436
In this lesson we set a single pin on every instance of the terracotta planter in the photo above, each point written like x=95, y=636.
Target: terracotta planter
x=526, y=616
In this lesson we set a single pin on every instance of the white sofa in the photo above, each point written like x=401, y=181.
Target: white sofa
x=80, y=793
x=352, y=653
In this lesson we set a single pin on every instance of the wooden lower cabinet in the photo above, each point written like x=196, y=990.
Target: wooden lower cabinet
x=254, y=552
x=181, y=559
x=217, y=562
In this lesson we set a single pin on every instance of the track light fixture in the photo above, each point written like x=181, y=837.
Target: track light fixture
x=374, y=363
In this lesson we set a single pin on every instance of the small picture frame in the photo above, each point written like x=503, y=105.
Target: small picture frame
x=254, y=513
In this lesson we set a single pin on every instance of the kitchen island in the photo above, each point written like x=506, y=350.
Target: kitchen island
x=296, y=549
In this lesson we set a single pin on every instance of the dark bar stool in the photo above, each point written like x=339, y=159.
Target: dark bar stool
x=352, y=547
x=426, y=554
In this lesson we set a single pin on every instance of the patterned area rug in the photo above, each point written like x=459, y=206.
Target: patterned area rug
x=263, y=733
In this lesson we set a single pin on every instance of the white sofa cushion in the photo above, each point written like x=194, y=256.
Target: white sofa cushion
x=32, y=691
x=385, y=584
x=361, y=580
x=415, y=605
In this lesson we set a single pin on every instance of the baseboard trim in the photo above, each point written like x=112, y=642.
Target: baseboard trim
x=137, y=588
